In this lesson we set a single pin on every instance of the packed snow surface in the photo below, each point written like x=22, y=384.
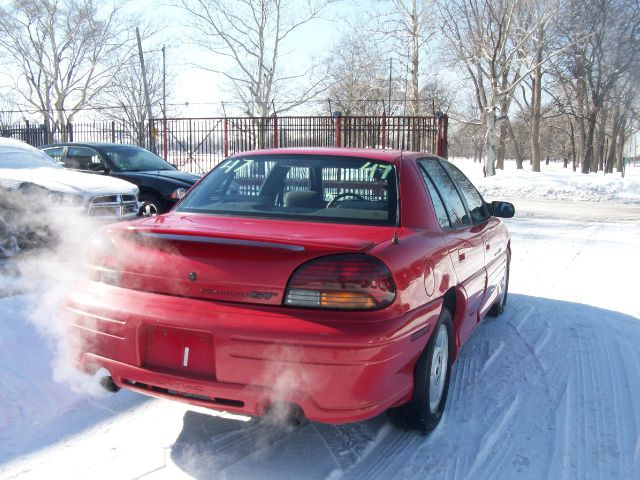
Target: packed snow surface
x=555, y=183
x=551, y=389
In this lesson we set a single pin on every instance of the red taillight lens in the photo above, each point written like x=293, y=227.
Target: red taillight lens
x=103, y=260
x=352, y=281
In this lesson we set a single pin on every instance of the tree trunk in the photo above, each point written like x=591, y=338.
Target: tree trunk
x=613, y=146
x=515, y=146
x=620, y=157
x=490, y=143
x=415, y=60
x=536, y=95
x=589, y=141
x=501, y=145
x=598, y=164
x=581, y=92
x=573, y=144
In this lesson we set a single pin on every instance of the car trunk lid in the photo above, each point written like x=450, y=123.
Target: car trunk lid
x=227, y=258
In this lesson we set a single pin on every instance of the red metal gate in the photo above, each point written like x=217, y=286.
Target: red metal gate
x=198, y=144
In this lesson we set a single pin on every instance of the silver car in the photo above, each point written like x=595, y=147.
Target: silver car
x=30, y=181
x=26, y=168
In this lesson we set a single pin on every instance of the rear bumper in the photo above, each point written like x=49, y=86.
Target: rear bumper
x=336, y=369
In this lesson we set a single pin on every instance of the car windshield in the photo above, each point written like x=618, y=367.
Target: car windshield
x=11, y=157
x=299, y=187
x=135, y=159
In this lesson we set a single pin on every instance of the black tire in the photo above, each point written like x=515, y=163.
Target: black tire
x=151, y=206
x=498, y=308
x=424, y=411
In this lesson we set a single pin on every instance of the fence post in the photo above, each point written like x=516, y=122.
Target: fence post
x=383, y=132
x=226, y=138
x=164, y=137
x=338, y=140
x=275, y=131
x=442, y=144
x=70, y=132
x=113, y=131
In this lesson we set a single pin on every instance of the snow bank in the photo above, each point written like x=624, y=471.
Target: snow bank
x=554, y=183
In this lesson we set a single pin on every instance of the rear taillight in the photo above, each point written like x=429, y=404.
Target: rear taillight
x=103, y=260
x=350, y=281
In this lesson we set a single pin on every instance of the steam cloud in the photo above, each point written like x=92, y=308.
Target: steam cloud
x=43, y=254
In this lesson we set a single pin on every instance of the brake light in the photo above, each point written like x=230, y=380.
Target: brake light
x=350, y=281
x=103, y=260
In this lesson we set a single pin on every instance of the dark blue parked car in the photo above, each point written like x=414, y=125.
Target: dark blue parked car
x=161, y=184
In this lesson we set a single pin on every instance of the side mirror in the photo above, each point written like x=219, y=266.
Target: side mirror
x=503, y=209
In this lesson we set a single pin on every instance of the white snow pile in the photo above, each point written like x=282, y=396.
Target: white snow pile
x=554, y=183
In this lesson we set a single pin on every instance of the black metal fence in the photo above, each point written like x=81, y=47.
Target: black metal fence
x=198, y=144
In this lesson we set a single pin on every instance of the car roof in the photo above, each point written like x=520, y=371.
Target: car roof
x=15, y=143
x=385, y=155
x=89, y=144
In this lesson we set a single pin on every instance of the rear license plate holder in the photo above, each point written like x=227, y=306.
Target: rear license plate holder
x=187, y=353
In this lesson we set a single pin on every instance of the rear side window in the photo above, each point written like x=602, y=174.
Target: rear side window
x=82, y=158
x=299, y=187
x=441, y=212
x=448, y=192
x=474, y=200
x=56, y=153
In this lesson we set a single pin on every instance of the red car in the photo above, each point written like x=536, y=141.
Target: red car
x=341, y=282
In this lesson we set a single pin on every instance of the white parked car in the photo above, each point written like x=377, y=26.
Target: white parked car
x=31, y=182
x=25, y=168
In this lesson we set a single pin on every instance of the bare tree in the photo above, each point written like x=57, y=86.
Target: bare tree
x=124, y=97
x=65, y=52
x=437, y=94
x=536, y=48
x=253, y=35
x=489, y=40
x=605, y=38
x=7, y=110
x=357, y=76
x=409, y=26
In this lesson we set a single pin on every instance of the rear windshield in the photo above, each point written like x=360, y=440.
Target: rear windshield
x=299, y=187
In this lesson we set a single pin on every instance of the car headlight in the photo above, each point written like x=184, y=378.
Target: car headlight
x=65, y=199
x=178, y=193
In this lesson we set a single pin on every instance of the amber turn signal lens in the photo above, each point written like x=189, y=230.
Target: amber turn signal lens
x=352, y=300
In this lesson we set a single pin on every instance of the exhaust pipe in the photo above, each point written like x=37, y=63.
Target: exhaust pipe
x=109, y=385
x=106, y=381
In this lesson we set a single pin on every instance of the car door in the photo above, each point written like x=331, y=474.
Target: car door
x=494, y=237
x=465, y=242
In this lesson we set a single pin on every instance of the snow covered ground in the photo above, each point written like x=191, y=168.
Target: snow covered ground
x=551, y=389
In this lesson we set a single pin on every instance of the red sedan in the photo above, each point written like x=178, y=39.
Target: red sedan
x=340, y=282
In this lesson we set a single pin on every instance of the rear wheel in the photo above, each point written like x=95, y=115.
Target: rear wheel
x=431, y=380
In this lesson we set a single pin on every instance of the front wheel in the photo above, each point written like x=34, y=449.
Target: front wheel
x=503, y=290
x=151, y=206
x=431, y=380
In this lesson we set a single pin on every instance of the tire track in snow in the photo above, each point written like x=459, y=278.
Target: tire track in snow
x=347, y=444
x=391, y=450
x=596, y=432
x=21, y=398
x=486, y=465
x=497, y=450
x=210, y=448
